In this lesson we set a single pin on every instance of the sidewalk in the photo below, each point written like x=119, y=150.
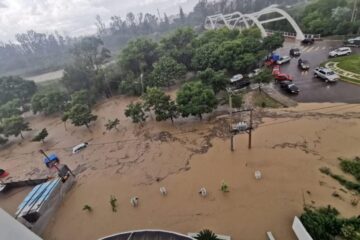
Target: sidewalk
x=277, y=96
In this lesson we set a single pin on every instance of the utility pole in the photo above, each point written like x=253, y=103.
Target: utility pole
x=250, y=128
x=231, y=118
x=242, y=128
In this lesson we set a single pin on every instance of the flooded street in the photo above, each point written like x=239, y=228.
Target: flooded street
x=289, y=147
x=314, y=89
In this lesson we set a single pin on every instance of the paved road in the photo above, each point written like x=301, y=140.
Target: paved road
x=313, y=89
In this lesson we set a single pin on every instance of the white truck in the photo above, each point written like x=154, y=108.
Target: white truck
x=326, y=74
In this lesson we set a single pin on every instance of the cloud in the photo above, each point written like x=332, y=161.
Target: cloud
x=2, y=5
x=71, y=17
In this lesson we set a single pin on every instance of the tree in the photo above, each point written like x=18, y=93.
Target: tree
x=80, y=115
x=166, y=109
x=206, y=234
x=264, y=76
x=111, y=124
x=136, y=112
x=161, y=104
x=179, y=45
x=325, y=223
x=217, y=80
x=273, y=42
x=166, y=71
x=11, y=108
x=195, y=99
x=49, y=102
x=16, y=88
x=77, y=78
x=82, y=97
x=205, y=56
x=3, y=140
x=182, y=15
x=139, y=56
x=100, y=25
x=151, y=97
x=41, y=136
x=14, y=126
x=64, y=119
x=90, y=53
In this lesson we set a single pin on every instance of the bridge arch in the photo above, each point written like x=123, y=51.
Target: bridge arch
x=237, y=19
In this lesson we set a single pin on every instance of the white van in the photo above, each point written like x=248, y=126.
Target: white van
x=79, y=147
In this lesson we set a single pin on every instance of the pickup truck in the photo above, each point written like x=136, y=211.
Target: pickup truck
x=326, y=74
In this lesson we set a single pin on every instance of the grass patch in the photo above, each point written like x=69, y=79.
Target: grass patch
x=348, y=166
x=351, y=167
x=349, y=63
x=263, y=100
x=237, y=100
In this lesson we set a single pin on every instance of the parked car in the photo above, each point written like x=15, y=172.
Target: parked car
x=343, y=51
x=326, y=74
x=280, y=76
x=276, y=70
x=352, y=42
x=283, y=59
x=283, y=77
x=303, y=64
x=254, y=73
x=79, y=147
x=289, y=87
x=308, y=41
x=295, y=52
x=238, y=82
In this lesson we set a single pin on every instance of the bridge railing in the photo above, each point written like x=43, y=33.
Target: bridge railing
x=293, y=35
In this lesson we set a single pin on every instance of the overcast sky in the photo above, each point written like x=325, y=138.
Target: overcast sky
x=73, y=17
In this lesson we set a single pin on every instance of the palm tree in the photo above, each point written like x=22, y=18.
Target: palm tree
x=206, y=234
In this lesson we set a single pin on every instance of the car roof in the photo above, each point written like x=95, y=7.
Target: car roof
x=326, y=69
x=343, y=48
x=236, y=77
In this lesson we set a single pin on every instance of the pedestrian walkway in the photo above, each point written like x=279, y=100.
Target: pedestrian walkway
x=343, y=73
x=277, y=96
x=314, y=48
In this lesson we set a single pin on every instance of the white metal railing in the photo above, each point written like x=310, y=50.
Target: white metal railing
x=293, y=35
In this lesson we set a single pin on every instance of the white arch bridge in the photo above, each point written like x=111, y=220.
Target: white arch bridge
x=244, y=21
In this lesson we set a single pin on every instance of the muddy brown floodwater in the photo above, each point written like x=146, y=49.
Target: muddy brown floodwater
x=289, y=147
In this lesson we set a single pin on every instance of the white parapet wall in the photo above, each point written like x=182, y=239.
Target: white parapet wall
x=10, y=229
x=300, y=230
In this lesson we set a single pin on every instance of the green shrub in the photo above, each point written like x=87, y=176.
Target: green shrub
x=351, y=166
x=237, y=101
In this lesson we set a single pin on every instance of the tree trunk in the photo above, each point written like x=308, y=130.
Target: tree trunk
x=65, y=126
x=172, y=120
x=22, y=137
x=200, y=116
